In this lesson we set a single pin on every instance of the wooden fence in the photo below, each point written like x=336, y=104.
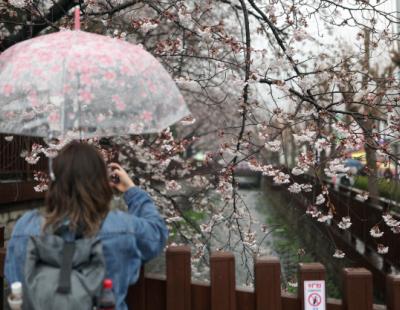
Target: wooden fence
x=16, y=175
x=12, y=165
x=177, y=291
x=364, y=215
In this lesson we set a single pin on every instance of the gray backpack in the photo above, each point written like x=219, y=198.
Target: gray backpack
x=63, y=275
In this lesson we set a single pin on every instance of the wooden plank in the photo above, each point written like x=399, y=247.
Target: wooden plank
x=357, y=289
x=201, y=296
x=290, y=301
x=178, y=278
x=156, y=297
x=393, y=292
x=334, y=304
x=18, y=191
x=307, y=272
x=245, y=299
x=222, y=275
x=267, y=271
x=136, y=296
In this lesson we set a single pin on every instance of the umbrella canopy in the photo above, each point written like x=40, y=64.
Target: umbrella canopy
x=86, y=83
x=353, y=163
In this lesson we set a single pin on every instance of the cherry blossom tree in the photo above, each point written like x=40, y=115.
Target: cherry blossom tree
x=263, y=79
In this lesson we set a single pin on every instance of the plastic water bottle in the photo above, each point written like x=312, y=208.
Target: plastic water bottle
x=15, y=298
x=107, y=299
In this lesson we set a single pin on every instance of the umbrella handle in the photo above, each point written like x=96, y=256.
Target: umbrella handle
x=51, y=172
x=77, y=24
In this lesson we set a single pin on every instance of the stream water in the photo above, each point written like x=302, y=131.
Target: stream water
x=284, y=240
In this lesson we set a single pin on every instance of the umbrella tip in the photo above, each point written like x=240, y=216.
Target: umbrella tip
x=77, y=25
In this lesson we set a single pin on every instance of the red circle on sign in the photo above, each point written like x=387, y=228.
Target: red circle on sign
x=314, y=299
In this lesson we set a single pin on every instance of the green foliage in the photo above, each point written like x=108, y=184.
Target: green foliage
x=195, y=216
x=288, y=239
x=387, y=188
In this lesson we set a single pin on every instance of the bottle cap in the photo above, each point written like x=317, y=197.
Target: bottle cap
x=16, y=288
x=107, y=283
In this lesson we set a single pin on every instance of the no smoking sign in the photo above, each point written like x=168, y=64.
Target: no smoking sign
x=314, y=295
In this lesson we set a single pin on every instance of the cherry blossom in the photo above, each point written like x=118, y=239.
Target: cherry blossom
x=339, y=254
x=324, y=217
x=345, y=223
x=320, y=199
x=295, y=97
x=273, y=146
x=382, y=249
x=281, y=178
x=313, y=211
x=295, y=188
x=390, y=221
x=362, y=196
x=298, y=171
x=376, y=232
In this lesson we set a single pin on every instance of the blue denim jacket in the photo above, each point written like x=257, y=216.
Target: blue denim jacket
x=128, y=239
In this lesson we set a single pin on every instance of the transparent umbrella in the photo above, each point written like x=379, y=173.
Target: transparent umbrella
x=93, y=85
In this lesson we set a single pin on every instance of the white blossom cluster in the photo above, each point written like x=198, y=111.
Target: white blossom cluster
x=392, y=223
x=376, y=232
x=345, y=223
x=335, y=167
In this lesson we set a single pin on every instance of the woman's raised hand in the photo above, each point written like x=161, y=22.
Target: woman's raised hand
x=124, y=182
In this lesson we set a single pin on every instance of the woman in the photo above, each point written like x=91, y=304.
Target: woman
x=80, y=195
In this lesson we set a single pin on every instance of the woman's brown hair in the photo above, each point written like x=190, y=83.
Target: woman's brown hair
x=81, y=191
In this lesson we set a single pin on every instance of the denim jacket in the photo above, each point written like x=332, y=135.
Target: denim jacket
x=128, y=239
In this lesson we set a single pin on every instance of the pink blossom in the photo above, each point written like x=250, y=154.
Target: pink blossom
x=147, y=116
x=150, y=86
x=382, y=249
x=376, y=232
x=67, y=89
x=100, y=118
x=173, y=185
x=345, y=223
x=119, y=104
x=85, y=96
x=7, y=90
x=339, y=254
x=54, y=117
x=110, y=76
x=86, y=79
x=295, y=188
x=33, y=99
x=105, y=60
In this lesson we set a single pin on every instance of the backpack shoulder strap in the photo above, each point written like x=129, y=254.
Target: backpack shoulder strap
x=64, y=283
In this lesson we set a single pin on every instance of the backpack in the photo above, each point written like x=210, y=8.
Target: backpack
x=62, y=275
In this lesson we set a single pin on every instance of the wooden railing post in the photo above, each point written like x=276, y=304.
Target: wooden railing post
x=223, y=284
x=392, y=292
x=357, y=289
x=178, y=278
x=267, y=271
x=308, y=272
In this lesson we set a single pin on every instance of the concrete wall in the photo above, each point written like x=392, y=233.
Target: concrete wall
x=10, y=213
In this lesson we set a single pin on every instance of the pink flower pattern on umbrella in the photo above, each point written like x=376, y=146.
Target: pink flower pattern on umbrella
x=7, y=89
x=85, y=96
x=119, y=104
x=147, y=116
x=84, y=80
